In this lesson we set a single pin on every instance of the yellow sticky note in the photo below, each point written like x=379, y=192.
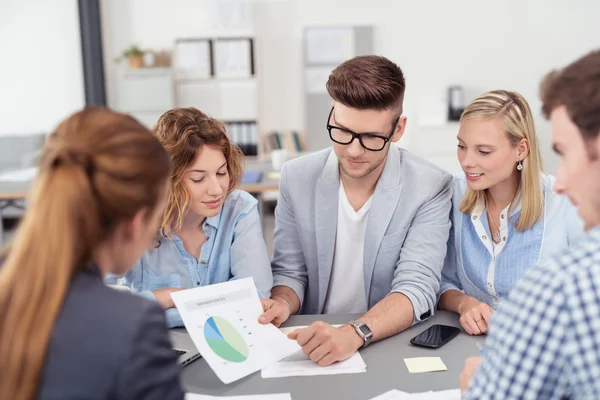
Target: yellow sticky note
x=424, y=364
x=274, y=175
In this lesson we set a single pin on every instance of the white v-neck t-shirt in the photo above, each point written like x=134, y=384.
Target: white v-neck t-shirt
x=346, y=294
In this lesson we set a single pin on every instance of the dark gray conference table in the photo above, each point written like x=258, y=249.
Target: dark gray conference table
x=385, y=368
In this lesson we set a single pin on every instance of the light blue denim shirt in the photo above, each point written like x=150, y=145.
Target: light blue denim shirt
x=235, y=249
x=479, y=268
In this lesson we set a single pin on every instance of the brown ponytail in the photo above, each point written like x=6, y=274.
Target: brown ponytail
x=97, y=169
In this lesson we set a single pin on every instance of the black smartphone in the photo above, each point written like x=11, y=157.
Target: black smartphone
x=435, y=336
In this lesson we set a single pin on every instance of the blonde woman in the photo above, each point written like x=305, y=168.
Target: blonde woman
x=505, y=216
x=210, y=232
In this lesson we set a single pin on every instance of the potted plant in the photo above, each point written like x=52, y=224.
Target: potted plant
x=134, y=55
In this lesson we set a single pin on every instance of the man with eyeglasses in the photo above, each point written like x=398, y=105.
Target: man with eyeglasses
x=361, y=228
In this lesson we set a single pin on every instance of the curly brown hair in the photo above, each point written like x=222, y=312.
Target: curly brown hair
x=184, y=132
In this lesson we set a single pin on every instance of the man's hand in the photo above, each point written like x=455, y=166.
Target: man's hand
x=276, y=311
x=325, y=344
x=163, y=296
x=468, y=371
x=475, y=316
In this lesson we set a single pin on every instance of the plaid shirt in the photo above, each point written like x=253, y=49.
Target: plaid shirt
x=544, y=341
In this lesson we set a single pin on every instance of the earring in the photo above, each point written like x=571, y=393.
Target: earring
x=519, y=166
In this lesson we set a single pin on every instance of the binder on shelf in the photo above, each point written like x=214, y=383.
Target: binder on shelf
x=289, y=140
x=234, y=58
x=193, y=59
x=243, y=134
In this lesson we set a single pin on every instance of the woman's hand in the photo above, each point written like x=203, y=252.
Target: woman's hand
x=475, y=316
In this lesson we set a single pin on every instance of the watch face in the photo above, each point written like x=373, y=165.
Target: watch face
x=364, y=329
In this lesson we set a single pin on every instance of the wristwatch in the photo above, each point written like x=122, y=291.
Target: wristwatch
x=363, y=331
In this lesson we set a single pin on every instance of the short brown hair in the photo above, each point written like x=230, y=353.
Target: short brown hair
x=577, y=87
x=184, y=132
x=367, y=83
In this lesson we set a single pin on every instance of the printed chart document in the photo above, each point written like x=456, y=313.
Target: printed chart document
x=278, y=396
x=453, y=394
x=298, y=364
x=222, y=321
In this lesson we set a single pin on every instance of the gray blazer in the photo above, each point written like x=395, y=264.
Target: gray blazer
x=405, y=242
x=108, y=344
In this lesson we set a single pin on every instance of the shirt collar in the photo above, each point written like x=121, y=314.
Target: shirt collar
x=513, y=208
x=214, y=221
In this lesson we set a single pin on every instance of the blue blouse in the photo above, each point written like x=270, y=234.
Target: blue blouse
x=234, y=249
x=487, y=271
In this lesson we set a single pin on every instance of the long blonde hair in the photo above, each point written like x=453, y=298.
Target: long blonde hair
x=97, y=169
x=514, y=112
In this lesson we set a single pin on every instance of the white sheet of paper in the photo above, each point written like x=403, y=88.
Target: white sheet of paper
x=222, y=320
x=21, y=175
x=278, y=396
x=392, y=395
x=453, y=394
x=298, y=364
x=424, y=364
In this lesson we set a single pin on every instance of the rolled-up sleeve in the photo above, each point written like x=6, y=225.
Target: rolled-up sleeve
x=418, y=271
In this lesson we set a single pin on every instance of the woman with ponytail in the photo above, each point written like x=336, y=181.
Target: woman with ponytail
x=93, y=210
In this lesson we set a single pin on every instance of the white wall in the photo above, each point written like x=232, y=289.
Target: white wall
x=151, y=24
x=41, y=78
x=480, y=45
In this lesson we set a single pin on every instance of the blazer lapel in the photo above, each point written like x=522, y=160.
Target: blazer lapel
x=385, y=199
x=326, y=212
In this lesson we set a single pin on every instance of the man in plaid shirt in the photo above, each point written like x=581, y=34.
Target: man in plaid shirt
x=544, y=341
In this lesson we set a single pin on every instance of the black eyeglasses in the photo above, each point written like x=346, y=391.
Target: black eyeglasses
x=369, y=141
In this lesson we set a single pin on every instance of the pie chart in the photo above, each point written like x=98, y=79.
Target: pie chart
x=225, y=340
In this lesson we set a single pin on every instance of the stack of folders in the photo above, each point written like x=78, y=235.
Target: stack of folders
x=244, y=134
x=288, y=140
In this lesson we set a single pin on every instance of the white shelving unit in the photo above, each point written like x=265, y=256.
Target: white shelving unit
x=217, y=75
x=146, y=93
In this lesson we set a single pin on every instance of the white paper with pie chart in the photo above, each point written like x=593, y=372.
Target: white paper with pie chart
x=222, y=321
